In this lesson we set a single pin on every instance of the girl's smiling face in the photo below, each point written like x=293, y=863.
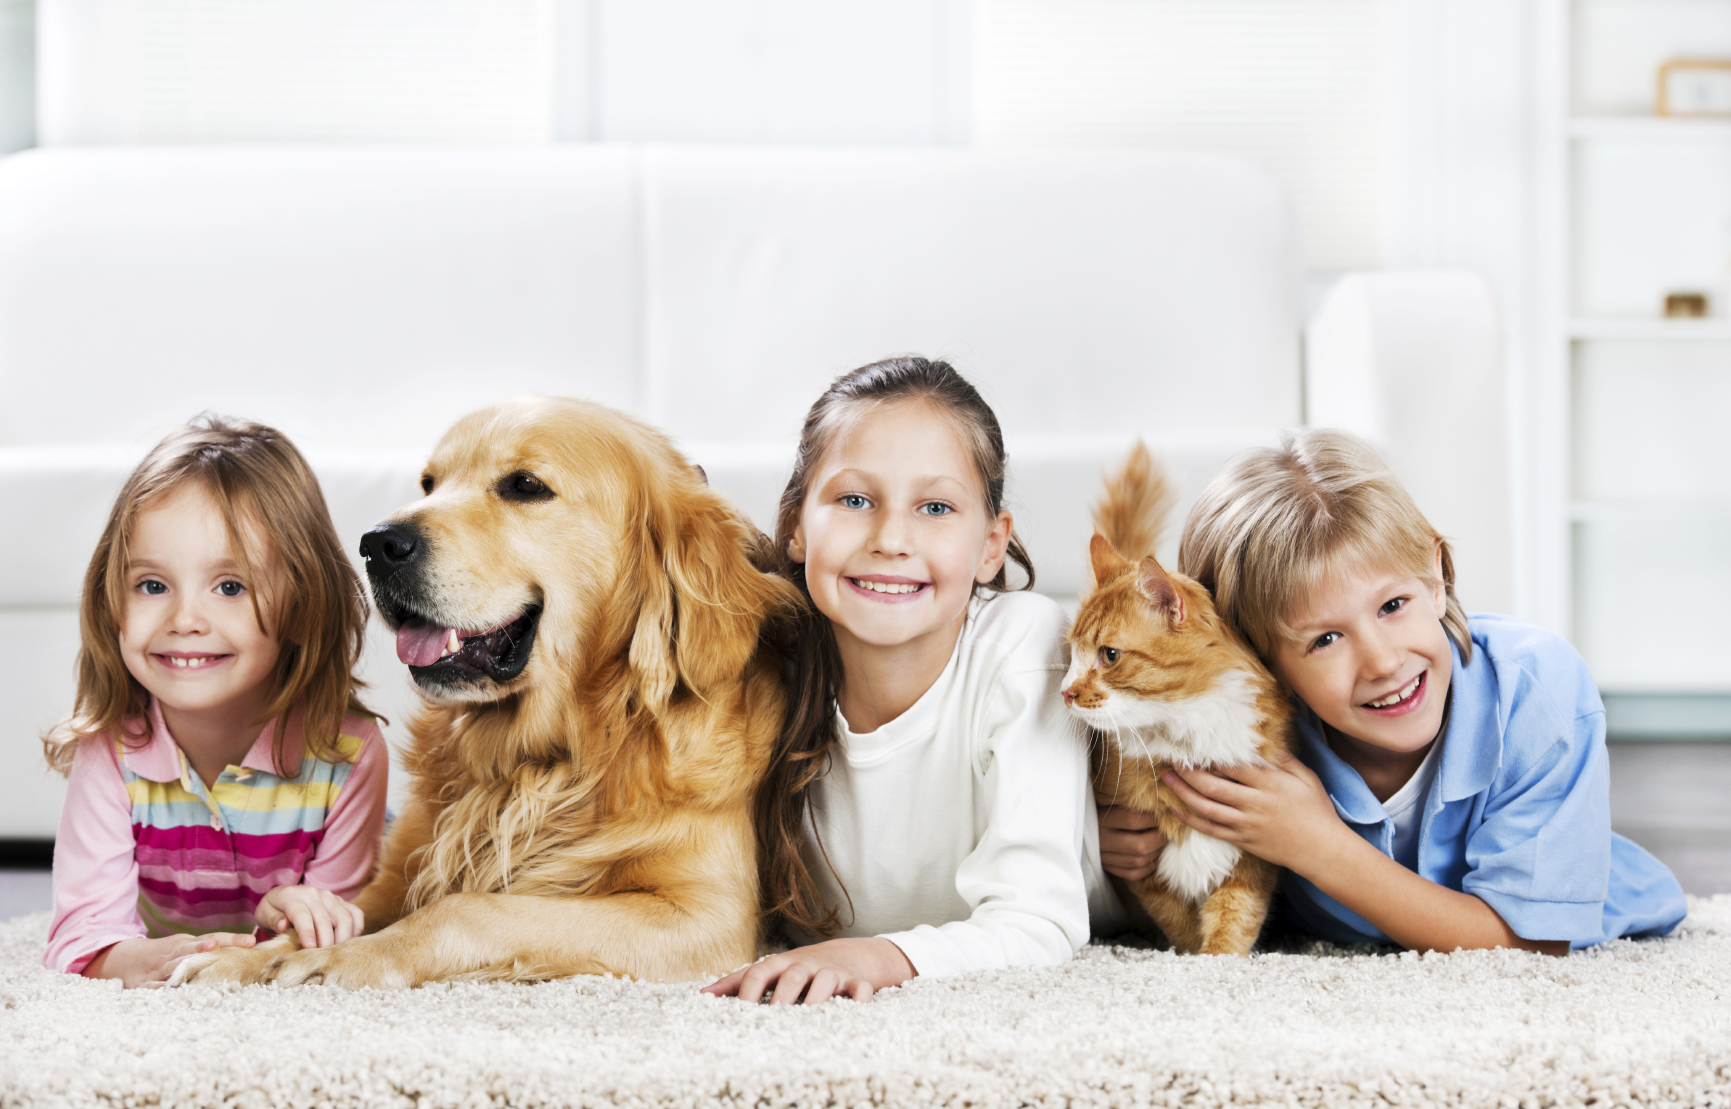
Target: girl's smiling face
x=1371, y=658
x=189, y=633
x=895, y=530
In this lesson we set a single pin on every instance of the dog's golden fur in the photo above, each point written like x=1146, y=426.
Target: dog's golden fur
x=594, y=813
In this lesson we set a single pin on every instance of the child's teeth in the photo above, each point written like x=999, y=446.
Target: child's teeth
x=887, y=587
x=1397, y=696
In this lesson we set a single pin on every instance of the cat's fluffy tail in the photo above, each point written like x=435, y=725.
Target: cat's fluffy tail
x=1138, y=499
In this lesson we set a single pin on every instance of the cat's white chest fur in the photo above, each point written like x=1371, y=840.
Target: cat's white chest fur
x=1195, y=867
x=1215, y=729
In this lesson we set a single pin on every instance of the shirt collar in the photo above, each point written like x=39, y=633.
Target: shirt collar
x=160, y=759
x=1473, y=747
x=1352, y=798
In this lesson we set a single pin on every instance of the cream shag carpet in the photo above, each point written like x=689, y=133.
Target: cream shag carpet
x=1631, y=1023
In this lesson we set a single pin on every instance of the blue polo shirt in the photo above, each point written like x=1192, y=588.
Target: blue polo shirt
x=1519, y=813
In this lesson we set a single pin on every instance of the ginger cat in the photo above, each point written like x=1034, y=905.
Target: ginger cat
x=1165, y=681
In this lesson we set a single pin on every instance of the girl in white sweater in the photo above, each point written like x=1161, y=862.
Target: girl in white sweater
x=945, y=814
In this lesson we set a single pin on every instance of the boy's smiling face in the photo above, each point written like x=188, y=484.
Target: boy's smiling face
x=1371, y=658
x=895, y=530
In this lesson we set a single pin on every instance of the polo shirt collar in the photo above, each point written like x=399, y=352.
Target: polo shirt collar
x=1352, y=798
x=160, y=758
x=1473, y=747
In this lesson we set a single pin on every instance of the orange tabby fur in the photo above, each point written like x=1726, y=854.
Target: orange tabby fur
x=1166, y=682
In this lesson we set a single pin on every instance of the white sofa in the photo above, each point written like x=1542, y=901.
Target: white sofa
x=361, y=300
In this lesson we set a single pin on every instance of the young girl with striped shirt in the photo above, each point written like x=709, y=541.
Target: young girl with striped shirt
x=222, y=774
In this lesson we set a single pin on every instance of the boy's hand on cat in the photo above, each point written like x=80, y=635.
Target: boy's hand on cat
x=1130, y=842
x=835, y=968
x=319, y=917
x=145, y=962
x=1280, y=813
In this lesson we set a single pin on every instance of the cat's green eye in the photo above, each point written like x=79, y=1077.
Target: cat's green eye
x=1109, y=655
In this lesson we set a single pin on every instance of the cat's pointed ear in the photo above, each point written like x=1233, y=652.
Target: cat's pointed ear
x=1157, y=586
x=1104, y=559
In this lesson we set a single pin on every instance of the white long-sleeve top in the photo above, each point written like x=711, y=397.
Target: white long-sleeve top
x=964, y=829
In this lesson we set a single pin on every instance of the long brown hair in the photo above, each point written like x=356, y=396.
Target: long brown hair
x=256, y=477
x=814, y=669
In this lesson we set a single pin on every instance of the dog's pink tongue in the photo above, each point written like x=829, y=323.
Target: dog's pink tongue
x=421, y=644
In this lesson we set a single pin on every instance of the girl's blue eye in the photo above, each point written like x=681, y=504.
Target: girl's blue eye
x=936, y=508
x=853, y=500
x=1324, y=640
x=1392, y=606
x=231, y=589
x=151, y=587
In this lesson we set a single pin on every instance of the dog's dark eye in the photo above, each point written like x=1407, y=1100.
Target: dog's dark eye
x=427, y=484
x=524, y=487
x=1109, y=655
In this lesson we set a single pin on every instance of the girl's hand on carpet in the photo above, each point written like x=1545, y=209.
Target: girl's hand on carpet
x=1130, y=842
x=319, y=917
x=835, y=968
x=1280, y=812
x=143, y=962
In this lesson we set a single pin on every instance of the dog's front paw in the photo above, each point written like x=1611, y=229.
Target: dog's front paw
x=362, y=961
x=245, y=965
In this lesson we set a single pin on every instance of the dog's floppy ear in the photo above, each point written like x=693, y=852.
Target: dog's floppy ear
x=703, y=601
x=651, y=655
x=721, y=599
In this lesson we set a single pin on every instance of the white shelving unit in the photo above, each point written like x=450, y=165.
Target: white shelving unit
x=1635, y=430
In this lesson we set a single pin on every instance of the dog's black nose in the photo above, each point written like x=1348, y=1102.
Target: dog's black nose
x=390, y=547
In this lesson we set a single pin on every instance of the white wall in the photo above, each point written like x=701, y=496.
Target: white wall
x=1462, y=189
x=17, y=75
x=506, y=71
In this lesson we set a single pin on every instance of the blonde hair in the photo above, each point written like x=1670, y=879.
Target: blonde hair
x=1276, y=524
x=253, y=474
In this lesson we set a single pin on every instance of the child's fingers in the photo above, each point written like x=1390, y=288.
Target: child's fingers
x=725, y=987
x=1120, y=819
x=1131, y=868
x=227, y=939
x=823, y=986
x=792, y=983
x=1197, y=803
x=1207, y=827
x=1214, y=787
x=760, y=976
x=306, y=929
x=858, y=989
x=341, y=915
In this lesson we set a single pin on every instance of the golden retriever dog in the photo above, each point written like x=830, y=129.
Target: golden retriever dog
x=590, y=625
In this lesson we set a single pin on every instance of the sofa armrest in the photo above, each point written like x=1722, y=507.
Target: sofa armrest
x=1414, y=363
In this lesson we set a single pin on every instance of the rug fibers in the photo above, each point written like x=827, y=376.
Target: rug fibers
x=1631, y=1023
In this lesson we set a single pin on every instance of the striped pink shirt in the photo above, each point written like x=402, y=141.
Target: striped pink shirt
x=145, y=849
